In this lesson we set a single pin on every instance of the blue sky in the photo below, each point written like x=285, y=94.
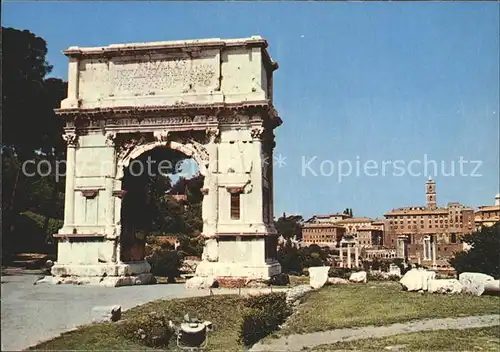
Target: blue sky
x=357, y=82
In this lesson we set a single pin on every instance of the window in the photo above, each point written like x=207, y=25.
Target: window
x=453, y=238
x=235, y=206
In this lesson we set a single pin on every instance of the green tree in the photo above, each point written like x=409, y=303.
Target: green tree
x=483, y=257
x=289, y=258
x=27, y=119
x=31, y=130
x=289, y=226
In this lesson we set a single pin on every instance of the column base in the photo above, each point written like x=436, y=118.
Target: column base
x=106, y=274
x=247, y=270
x=107, y=281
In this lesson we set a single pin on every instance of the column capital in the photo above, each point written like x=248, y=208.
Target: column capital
x=257, y=132
x=212, y=134
x=71, y=139
x=110, y=138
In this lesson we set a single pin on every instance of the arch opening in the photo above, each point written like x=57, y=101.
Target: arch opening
x=162, y=207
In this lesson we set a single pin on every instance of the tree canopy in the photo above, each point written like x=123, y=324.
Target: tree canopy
x=289, y=226
x=31, y=132
x=483, y=256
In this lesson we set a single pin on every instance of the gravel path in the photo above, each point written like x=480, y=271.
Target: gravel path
x=36, y=313
x=298, y=341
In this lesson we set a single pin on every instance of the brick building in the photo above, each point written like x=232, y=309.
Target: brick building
x=352, y=225
x=323, y=234
x=488, y=215
x=429, y=233
x=370, y=236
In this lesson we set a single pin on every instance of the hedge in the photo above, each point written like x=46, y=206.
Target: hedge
x=263, y=315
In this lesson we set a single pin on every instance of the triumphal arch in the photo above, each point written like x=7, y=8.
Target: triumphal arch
x=210, y=99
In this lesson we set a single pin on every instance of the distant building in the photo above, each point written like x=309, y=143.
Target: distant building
x=370, y=236
x=353, y=225
x=331, y=218
x=321, y=228
x=381, y=253
x=430, y=233
x=488, y=215
x=323, y=234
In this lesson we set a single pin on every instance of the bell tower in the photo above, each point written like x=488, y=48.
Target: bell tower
x=430, y=194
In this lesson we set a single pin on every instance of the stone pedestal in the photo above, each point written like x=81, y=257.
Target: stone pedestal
x=103, y=274
x=250, y=271
x=239, y=256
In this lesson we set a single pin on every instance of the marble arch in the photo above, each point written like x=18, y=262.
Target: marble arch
x=210, y=99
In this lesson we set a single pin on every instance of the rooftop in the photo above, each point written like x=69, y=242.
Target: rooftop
x=316, y=224
x=354, y=220
x=488, y=208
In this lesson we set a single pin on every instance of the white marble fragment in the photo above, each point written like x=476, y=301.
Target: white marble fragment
x=417, y=279
x=318, y=276
x=359, y=276
x=452, y=286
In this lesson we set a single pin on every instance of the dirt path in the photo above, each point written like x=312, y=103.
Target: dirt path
x=298, y=341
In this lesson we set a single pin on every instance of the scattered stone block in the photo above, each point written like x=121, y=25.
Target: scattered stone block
x=475, y=276
x=417, y=279
x=106, y=313
x=337, y=281
x=318, y=276
x=451, y=286
x=474, y=283
x=359, y=277
x=199, y=282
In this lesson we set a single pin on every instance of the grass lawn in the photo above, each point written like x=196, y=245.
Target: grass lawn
x=299, y=280
x=329, y=308
x=383, y=303
x=224, y=312
x=484, y=339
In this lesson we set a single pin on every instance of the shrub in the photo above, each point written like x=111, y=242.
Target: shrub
x=382, y=276
x=401, y=265
x=280, y=280
x=164, y=262
x=376, y=276
x=393, y=277
x=343, y=273
x=483, y=256
x=263, y=314
x=255, y=326
x=151, y=329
